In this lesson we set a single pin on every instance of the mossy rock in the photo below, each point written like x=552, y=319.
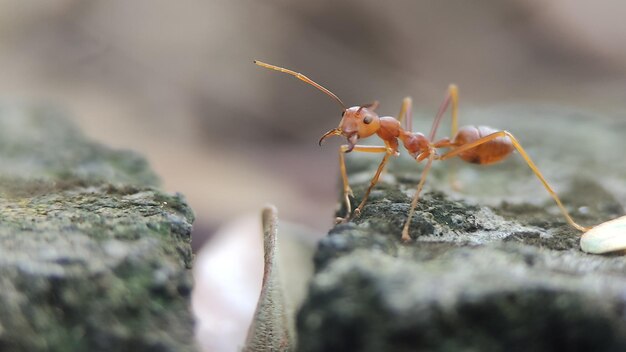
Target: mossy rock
x=94, y=257
x=493, y=267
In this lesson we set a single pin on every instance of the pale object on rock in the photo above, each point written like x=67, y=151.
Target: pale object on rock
x=607, y=237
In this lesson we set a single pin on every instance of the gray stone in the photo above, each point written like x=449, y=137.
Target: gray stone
x=492, y=267
x=93, y=257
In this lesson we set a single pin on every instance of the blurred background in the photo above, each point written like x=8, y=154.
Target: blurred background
x=175, y=80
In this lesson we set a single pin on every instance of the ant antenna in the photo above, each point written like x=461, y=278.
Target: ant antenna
x=302, y=78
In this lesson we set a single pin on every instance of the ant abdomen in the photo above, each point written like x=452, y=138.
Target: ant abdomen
x=489, y=152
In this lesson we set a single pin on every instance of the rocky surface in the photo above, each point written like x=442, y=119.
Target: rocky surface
x=491, y=267
x=93, y=257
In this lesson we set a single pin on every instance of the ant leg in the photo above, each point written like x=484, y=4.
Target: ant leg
x=530, y=163
x=451, y=97
x=405, y=113
x=420, y=185
x=347, y=191
x=373, y=182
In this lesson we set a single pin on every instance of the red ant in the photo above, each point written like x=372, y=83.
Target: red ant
x=475, y=144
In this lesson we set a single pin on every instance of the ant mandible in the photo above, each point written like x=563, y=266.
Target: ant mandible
x=475, y=144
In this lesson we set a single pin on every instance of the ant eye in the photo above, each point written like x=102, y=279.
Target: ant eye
x=343, y=113
x=367, y=120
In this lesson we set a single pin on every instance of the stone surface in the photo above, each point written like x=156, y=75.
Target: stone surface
x=491, y=267
x=93, y=257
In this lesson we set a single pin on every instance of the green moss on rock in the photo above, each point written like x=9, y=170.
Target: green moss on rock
x=494, y=267
x=94, y=256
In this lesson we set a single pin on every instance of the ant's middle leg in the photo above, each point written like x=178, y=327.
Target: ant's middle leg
x=347, y=191
x=405, y=229
x=463, y=148
x=406, y=115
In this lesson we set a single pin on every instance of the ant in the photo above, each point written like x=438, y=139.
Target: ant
x=474, y=144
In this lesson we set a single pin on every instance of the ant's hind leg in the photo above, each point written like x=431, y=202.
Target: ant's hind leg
x=452, y=97
x=347, y=191
x=530, y=163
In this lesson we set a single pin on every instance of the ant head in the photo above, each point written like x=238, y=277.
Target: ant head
x=360, y=120
x=356, y=122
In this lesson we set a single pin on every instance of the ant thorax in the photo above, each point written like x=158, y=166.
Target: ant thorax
x=414, y=142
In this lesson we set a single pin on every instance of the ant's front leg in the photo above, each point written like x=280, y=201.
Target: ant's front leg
x=374, y=181
x=347, y=191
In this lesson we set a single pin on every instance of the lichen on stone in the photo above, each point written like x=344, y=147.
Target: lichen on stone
x=493, y=266
x=94, y=256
